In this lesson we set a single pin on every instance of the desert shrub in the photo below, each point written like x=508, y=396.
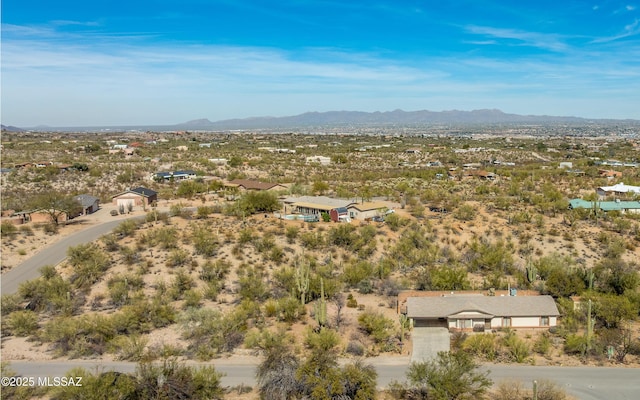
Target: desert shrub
x=126, y=228
x=119, y=293
x=165, y=237
x=192, y=298
x=130, y=256
x=466, y=212
x=516, y=349
x=49, y=293
x=356, y=272
x=8, y=230
x=10, y=303
x=179, y=210
x=376, y=325
x=365, y=286
x=312, y=240
x=511, y=390
x=173, y=380
x=182, y=282
x=289, y=309
x=129, y=348
x=395, y=222
x=487, y=256
x=251, y=284
x=254, y=202
x=453, y=375
x=178, y=258
x=548, y=390
x=449, y=278
x=214, y=271
x=481, y=345
x=270, y=308
x=563, y=282
x=110, y=242
x=204, y=242
x=291, y=233
x=209, y=332
x=88, y=263
x=355, y=348
x=343, y=235
x=22, y=323
x=79, y=336
x=542, y=345
x=351, y=301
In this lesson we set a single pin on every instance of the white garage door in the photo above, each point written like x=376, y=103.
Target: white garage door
x=125, y=203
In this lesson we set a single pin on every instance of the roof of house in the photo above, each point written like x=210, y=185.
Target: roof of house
x=502, y=306
x=163, y=174
x=620, y=188
x=143, y=191
x=605, y=205
x=86, y=200
x=619, y=205
x=368, y=206
x=318, y=202
x=255, y=185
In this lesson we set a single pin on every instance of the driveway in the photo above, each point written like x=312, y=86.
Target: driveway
x=427, y=342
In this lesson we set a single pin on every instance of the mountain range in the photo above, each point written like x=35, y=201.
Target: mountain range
x=346, y=118
x=397, y=117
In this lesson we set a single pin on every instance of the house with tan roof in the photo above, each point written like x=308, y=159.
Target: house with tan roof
x=460, y=312
x=367, y=210
x=314, y=205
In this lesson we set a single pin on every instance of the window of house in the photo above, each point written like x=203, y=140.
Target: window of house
x=544, y=321
x=465, y=324
x=506, y=322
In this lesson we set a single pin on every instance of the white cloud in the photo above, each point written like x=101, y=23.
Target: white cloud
x=545, y=41
x=109, y=80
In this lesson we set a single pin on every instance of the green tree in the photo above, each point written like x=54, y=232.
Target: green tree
x=56, y=204
x=451, y=376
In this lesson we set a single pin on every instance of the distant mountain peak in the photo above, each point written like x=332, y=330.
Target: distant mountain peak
x=198, y=122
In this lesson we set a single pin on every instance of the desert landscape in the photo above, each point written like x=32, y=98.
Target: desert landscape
x=219, y=266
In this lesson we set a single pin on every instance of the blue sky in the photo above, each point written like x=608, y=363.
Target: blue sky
x=113, y=62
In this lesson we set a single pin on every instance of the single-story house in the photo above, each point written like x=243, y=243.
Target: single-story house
x=314, y=204
x=366, y=210
x=90, y=204
x=43, y=217
x=139, y=196
x=219, y=161
x=322, y=160
x=174, y=175
x=618, y=189
x=462, y=312
x=622, y=206
x=609, y=173
x=479, y=173
x=248, y=184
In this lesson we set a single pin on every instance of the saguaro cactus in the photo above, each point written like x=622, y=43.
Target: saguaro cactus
x=532, y=272
x=321, y=307
x=302, y=280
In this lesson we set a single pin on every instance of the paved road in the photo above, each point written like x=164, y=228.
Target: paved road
x=52, y=255
x=585, y=383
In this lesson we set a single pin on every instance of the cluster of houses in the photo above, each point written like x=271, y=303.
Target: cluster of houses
x=624, y=199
